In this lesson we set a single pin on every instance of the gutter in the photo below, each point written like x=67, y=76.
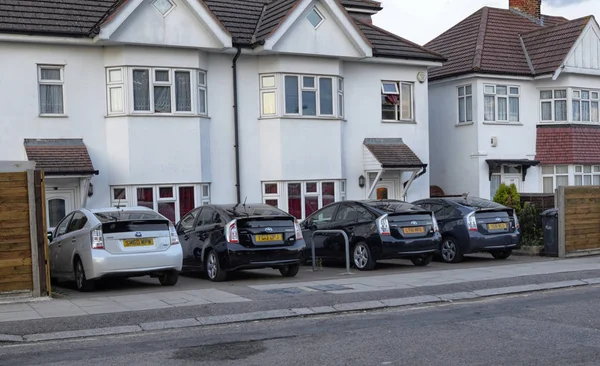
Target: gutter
x=236, y=123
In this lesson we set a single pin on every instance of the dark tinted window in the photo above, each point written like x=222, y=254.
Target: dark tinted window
x=208, y=216
x=77, y=222
x=62, y=227
x=187, y=223
x=363, y=214
x=346, y=213
x=476, y=202
x=324, y=216
x=112, y=216
x=393, y=206
x=240, y=211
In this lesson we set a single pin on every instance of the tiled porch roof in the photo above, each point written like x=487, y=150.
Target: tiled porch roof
x=393, y=153
x=568, y=144
x=60, y=156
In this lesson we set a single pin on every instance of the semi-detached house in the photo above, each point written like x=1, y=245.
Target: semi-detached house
x=517, y=102
x=172, y=104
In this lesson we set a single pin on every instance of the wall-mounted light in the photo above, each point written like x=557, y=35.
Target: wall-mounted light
x=361, y=181
x=90, y=190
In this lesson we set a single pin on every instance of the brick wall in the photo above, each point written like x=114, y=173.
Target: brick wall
x=530, y=7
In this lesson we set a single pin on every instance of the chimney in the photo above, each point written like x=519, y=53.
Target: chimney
x=532, y=8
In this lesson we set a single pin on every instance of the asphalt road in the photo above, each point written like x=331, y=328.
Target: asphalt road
x=553, y=328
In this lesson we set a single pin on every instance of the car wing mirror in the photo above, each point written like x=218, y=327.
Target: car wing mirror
x=50, y=236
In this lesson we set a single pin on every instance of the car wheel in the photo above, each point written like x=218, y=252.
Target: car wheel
x=168, y=278
x=213, y=267
x=363, y=260
x=82, y=283
x=502, y=254
x=289, y=271
x=450, y=251
x=422, y=261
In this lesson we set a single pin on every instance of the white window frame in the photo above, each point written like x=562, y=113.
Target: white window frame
x=497, y=97
x=282, y=192
x=340, y=96
x=202, y=86
x=580, y=172
x=577, y=96
x=319, y=14
x=398, y=107
x=60, y=82
x=554, y=175
x=268, y=89
x=462, y=100
x=115, y=85
x=552, y=102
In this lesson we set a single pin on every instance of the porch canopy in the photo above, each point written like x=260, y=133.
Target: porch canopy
x=498, y=163
x=388, y=155
x=60, y=157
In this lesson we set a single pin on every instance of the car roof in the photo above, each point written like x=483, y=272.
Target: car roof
x=474, y=202
x=248, y=209
x=389, y=205
x=121, y=209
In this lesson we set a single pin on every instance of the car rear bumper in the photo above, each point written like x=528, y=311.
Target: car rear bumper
x=393, y=248
x=105, y=264
x=239, y=257
x=479, y=242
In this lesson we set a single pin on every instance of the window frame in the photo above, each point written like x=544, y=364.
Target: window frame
x=204, y=87
x=582, y=174
x=282, y=195
x=590, y=100
x=552, y=102
x=60, y=83
x=508, y=97
x=554, y=175
x=398, y=107
x=462, y=99
x=314, y=9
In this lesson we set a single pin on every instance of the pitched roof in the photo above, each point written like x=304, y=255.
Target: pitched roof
x=490, y=41
x=392, y=153
x=568, y=144
x=248, y=21
x=60, y=156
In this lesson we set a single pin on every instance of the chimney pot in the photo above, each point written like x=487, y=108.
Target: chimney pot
x=532, y=8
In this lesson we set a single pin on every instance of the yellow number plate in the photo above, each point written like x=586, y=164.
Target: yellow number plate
x=270, y=237
x=414, y=230
x=501, y=226
x=138, y=243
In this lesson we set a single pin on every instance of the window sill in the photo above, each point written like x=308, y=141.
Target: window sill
x=461, y=124
x=53, y=116
x=203, y=116
x=402, y=122
x=568, y=123
x=302, y=117
x=503, y=123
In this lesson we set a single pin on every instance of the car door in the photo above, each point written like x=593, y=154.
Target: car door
x=57, y=267
x=207, y=225
x=76, y=239
x=346, y=220
x=320, y=220
x=185, y=229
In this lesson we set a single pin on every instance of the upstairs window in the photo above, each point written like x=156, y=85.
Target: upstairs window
x=501, y=103
x=585, y=106
x=553, y=105
x=315, y=18
x=397, y=101
x=51, y=82
x=465, y=104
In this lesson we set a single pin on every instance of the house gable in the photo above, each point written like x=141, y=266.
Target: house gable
x=335, y=35
x=584, y=56
x=185, y=23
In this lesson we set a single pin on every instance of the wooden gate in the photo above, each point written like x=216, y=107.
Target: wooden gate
x=23, y=240
x=579, y=221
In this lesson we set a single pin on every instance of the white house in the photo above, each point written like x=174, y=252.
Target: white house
x=172, y=104
x=517, y=102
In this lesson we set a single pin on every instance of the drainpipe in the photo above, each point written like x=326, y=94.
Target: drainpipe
x=236, y=122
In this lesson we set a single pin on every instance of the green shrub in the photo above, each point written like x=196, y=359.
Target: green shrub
x=531, y=225
x=508, y=196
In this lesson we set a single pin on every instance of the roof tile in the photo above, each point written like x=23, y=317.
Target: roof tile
x=60, y=156
x=392, y=153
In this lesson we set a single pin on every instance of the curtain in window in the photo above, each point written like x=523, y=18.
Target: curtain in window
x=326, y=95
x=469, y=108
x=560, y=110
x=546, y=111
x=167, y=209
x=295, y=200
x=502, y=109
x=461, y=110
x=328, y=190
x=585, y=111
x=183, y=91
x=576, y=111
x=513, y=106
x=489, y=108
x=562, y=180
x=51, y=99
x=291, y=95
x=548, y=185
x=311, y=204
x=145, y=197
x=162, y=99
x=186, y=200
x=594, y=112
x=407, y=101
x=141, y=90
x=309, y=103
x=494, y=185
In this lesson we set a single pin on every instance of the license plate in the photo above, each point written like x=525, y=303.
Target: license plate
x=269, y=237
x=138, y=243
x=414, y=230
x=501, y=226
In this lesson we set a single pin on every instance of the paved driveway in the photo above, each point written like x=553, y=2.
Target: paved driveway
x=244, y=279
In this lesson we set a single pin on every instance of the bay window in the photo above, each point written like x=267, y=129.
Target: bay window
x=301, y=199
x=501, y=103
x=397, y=101
x=585, y=106
x=587, y=175
x=553, y=105
x=170, y=200
x=465, y=103
x=554, y=176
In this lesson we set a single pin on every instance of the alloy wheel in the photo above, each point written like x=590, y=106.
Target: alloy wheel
x=211, y=265
x=361, y=256
x=448, y=250
x=80, y=275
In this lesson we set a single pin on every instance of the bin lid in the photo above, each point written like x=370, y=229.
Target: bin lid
x=550, y=212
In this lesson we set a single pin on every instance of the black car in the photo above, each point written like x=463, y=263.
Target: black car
x=225, y=238
x=471, y=224
x=377, y=230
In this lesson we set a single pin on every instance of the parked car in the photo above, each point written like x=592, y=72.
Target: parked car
x=377, y=230
x=88, y=245
x=224, y=238
x=471, y=224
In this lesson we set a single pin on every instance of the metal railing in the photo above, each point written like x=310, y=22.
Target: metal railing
x=347, y=248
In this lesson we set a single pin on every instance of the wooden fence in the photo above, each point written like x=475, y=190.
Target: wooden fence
x=578, y=221
x=541, y=201
x=23, y=242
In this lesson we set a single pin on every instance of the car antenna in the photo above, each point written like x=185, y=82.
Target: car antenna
x=465, y=195
x=244, y=204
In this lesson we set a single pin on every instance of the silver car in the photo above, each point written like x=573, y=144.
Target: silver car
x=136, y=241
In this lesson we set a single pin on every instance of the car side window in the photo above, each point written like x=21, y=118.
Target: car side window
x=448, y=211
x=61, y=229
x=324, y=216
x=346, y=214
x=77, y=222
x=437, y=209
x=187, y=223
x=208, y=216
x=363, y=214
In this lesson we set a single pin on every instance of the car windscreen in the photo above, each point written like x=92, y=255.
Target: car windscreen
x=477, y=203
x=393, y=206
x=253, y=211
x=115, y=216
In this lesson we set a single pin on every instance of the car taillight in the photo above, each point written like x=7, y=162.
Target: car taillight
x=517, y=226
x=299, y=235
x=231, y=232
x=97, y=238
x=471, y=221
x=383, y=226
x=436, y=228
x=173, y=234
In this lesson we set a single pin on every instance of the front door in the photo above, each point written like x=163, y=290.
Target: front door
x=385, y=190
x=59, y=203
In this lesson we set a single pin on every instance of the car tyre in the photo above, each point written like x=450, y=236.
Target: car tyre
x=501, y=254
x=168, y=278
x=213, y=267
x=290, y=271
x=362, y=257
x=82, y=283
x=450, y=251
x=422, y=261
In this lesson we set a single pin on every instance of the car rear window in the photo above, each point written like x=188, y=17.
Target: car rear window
x=116, y=216
x=478, y=203
x=247, y=211
x=393, y=206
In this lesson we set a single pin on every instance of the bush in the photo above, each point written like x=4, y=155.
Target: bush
x=531, y=225
x=508, y=196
